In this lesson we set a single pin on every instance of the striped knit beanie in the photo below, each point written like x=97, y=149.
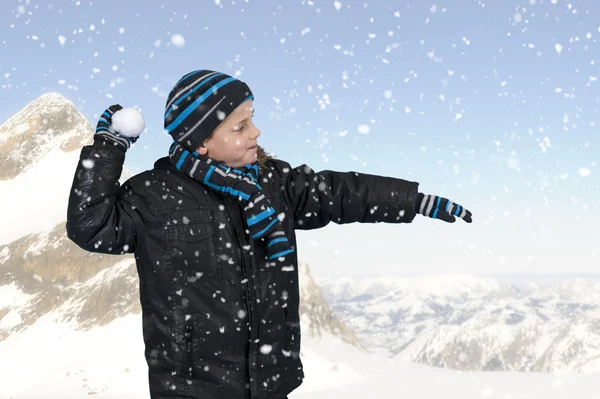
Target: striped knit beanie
x=199, y=102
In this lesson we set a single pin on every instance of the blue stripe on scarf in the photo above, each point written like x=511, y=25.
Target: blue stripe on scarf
x=222, y=188
x=183, y=156
x=235, y=192
x=261, y=216
x=260, y=233
x=282, y=253
x=237, y=171
x=196, y=103
x=106, y=113
x=186, y=95
x=275, y=241
x=241, y=172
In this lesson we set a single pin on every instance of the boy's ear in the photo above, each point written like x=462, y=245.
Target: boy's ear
x=202, y=149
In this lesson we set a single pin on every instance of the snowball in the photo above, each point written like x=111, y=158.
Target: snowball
x=129, y=122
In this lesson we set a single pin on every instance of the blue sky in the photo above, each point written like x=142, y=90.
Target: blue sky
x=492, y=104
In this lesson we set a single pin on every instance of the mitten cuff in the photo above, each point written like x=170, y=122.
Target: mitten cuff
x=419, y=201
x=103, y=142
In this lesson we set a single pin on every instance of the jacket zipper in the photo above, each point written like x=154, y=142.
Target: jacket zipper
x=244, y=274
x=246, y=285
x=286, y=333
x=189, y=329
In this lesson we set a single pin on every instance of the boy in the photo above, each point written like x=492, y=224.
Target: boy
x=212, y=227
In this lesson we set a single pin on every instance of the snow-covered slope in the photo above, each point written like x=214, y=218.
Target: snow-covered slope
x=53, y=360
x=471, y=323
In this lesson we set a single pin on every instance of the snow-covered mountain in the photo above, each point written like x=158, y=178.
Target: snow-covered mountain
x=41, y=269
x=50, y=122
x=469, y=323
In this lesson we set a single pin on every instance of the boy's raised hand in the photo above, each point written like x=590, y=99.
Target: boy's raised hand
x=442, y=208
x=122, y=134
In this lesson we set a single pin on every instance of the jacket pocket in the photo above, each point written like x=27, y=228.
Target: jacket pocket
x=194, y=251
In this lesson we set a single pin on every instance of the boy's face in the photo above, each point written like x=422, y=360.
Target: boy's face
x=234, y=140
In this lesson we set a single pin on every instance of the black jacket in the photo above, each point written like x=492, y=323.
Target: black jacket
x=219, y=319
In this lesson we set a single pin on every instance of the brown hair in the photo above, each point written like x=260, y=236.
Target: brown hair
x=262, y=157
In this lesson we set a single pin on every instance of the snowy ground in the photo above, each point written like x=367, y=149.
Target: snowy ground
x=51, y=360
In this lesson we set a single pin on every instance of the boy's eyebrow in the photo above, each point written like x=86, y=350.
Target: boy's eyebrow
x=245, y=119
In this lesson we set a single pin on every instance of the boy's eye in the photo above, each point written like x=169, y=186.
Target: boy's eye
x=239, y=129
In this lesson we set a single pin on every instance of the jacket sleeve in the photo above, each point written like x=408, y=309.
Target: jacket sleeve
x=102, y=216
x=316, y=198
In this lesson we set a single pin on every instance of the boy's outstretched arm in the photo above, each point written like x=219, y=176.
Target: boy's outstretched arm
x=316, y=198
x=102, y=216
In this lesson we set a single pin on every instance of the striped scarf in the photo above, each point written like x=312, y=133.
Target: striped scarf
x=239, y=183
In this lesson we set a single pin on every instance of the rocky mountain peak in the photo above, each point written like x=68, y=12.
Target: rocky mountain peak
x=47, y=123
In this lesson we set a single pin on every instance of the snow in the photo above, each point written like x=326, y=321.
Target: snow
x=39, y=246
x=363, y=129
x=108, y=362
x=178, y=40
x=584, y=172
x=129, y=122
x=445, y=284
x=558, y=47
x=13, y=297
x=26, y=193
x=16, y=130
x=4, y=255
